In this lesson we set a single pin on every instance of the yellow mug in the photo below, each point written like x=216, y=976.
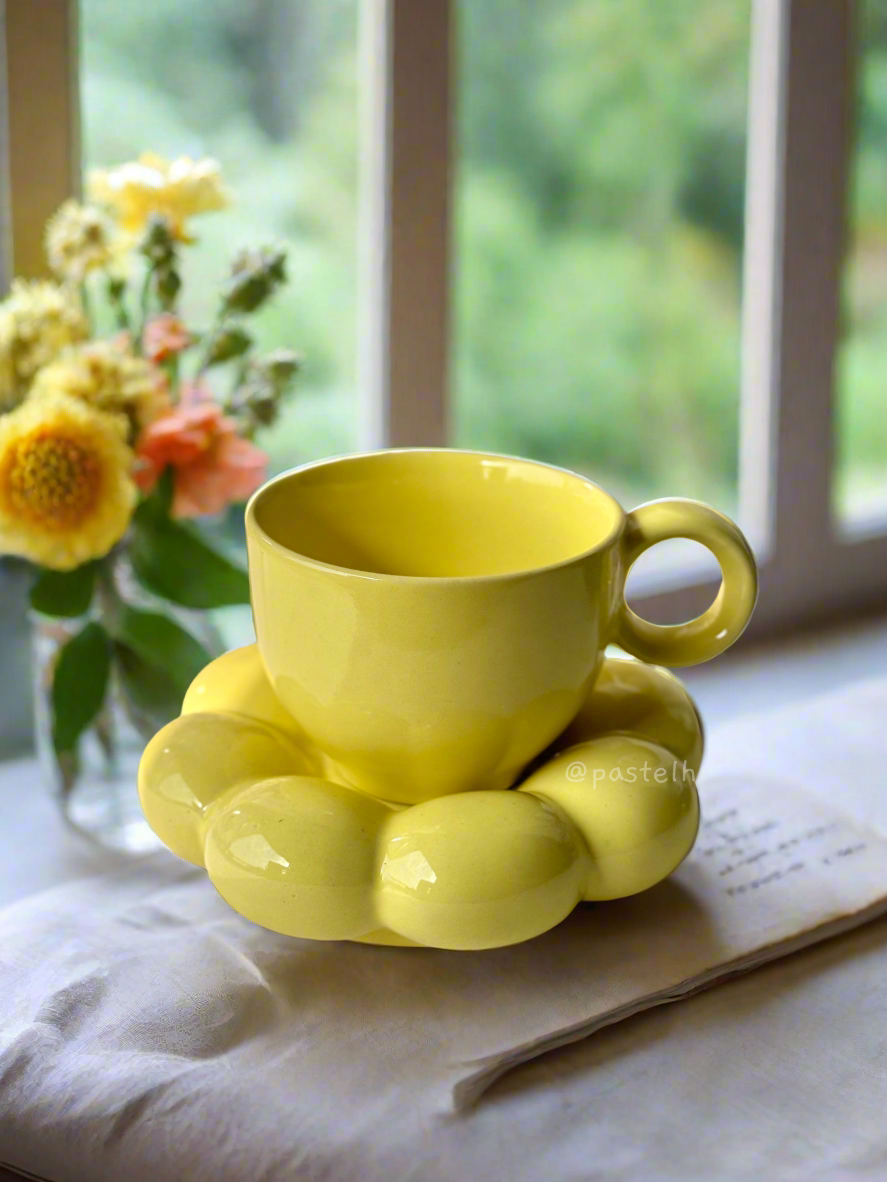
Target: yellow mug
x=432, y=619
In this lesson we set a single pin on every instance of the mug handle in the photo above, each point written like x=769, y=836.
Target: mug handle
x=725, y=620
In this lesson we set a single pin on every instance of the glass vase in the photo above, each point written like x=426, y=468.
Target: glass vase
x=96, y=785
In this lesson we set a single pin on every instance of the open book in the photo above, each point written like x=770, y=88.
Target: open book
x=782, y=861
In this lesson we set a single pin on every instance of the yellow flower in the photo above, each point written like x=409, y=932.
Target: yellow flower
x=79, y=239
x=108, y=377
x=177, y=190
x=37, y=320
x=66, y=494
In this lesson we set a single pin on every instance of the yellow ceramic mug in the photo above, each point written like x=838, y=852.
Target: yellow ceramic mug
x=433, y=619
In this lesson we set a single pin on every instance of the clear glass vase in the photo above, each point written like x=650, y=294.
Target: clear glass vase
x=95, y=786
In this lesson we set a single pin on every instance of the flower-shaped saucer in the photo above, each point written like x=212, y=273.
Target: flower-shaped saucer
x=607, y=811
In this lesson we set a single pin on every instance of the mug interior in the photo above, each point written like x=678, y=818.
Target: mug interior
x=435, y=513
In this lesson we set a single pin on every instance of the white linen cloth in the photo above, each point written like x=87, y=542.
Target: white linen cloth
x=141, y=1033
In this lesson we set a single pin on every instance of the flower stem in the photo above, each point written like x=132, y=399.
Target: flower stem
x=144, y=307
x=87, y=305
x=117, y=301
x=209, y=338
x=171, y=365
x=110, y=602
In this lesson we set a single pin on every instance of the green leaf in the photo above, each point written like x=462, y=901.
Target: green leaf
x=161, y=498
x=227, y=344
x=175, y=562
x=64, y=592
x=150, y=694
x=79, y=684
x=160, y=641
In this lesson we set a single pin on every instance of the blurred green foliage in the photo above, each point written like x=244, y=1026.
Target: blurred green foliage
x=861, y=460
x=598, y=204
x=599, y=228
x=269, y=87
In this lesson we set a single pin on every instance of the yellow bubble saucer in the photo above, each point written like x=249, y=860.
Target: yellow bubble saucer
x=608, y=810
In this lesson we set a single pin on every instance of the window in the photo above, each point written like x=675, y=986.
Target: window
x=599, y=208
x=861, y=475
x=797, y=167
x=269, y=89
x=553, y=227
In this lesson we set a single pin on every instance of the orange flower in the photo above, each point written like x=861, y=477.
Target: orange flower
x=164, y=337
x=212, y=465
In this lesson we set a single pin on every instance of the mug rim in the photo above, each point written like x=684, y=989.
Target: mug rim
x=263, y=538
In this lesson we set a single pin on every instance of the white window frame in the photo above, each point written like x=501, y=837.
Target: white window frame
x=800, y=125
x=801, y=109
x=41, y=125
x=39, y=168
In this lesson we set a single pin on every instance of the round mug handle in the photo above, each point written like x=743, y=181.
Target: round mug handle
x=725, y=620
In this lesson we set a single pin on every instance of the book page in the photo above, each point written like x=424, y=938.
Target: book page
x=833, y=745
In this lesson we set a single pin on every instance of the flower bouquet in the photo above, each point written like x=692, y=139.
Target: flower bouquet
x=119, y=426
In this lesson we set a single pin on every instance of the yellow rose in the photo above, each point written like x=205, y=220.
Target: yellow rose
x=37, y=320
x=79, y=239
x=110, y=378
x=177, y=190
x=66, y=493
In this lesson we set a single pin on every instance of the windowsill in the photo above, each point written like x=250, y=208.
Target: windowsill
x=764, y=676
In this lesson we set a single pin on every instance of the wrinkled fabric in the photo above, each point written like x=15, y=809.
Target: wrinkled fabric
x=148, y=1032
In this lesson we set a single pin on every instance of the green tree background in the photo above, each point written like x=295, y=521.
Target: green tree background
x=598, y=205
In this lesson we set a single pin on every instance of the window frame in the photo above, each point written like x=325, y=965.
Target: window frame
x=39, y=42
x=404, y=227
x=813, y=568
x=816, y=567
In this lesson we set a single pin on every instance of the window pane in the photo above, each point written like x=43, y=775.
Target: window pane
x=600, y=199
x=270, y=89
x=861, y=474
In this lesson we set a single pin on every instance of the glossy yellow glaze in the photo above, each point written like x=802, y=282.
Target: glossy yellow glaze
x=196, y=760
x=646, y=701
x=298, y=854
x=237, y=684
x=725, y=620
x=479, y=869
x=633, y=801
x=309, y=857
x=431, y=627
x=434, y=618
